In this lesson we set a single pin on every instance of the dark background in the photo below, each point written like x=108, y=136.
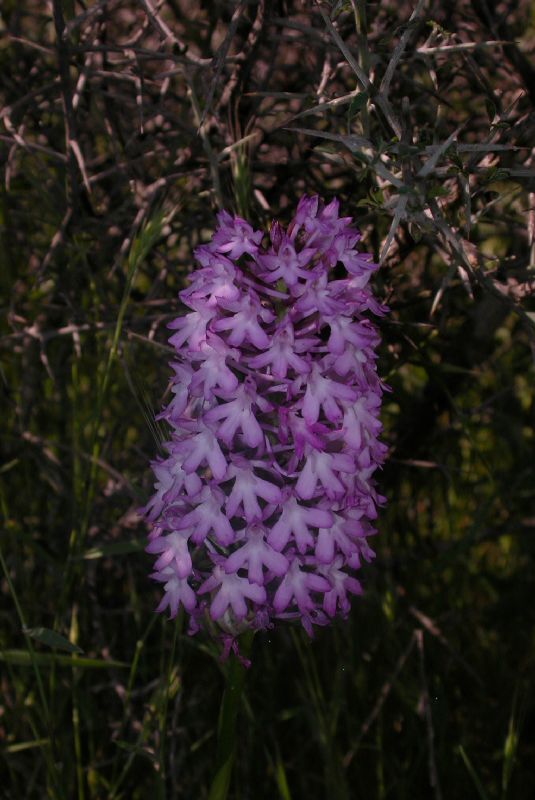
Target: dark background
x=124, y=126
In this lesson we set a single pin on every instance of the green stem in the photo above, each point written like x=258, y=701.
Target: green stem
x=226, y=732
x=49, y=751
x=142, y=244
x=359, y=9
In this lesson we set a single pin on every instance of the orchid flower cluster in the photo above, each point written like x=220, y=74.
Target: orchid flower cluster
x=264, y=504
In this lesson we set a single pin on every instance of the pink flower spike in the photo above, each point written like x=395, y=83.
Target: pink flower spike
x=340, y=584
x=343, y=329
x=177, y=592
x=191, y=328
x=342, y=537
x=244, y=325
x=180, y=390
x=319, y=296
x=208, y=518
x=256, y=554
x=325, y=226
x=286, y=263
x=298, y=520
x=237, y=415
x=203, y=447
x=322, y=468
x=246, y=490
x=307, y=208
x=213, y=371
x=175, y=552
x=360, y=425
x=283, y=352
x=292, y=424
x=216, y=282
x=235, y=236
x=171, y=480
x=233, y=592
x=264, y=505
x=324, y=393
x=296, y=586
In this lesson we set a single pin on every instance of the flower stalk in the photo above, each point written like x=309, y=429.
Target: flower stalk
x=235, y=675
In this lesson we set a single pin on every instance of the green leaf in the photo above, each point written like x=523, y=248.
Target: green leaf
x=437, y=190
x=9, y=464
x=114, y=549
x=221, y=783
x=491, y=108
x=22, y=658
x=136, y=749
x=494, y=174
x=340, y=7
x=357, y=104
x=19, y=747
x=415, y=232
x=52, y=639
x=376, y=198
x=473, y=774
x=282, y=780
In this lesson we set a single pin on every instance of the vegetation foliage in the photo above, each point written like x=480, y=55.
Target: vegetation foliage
x=124, y=126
